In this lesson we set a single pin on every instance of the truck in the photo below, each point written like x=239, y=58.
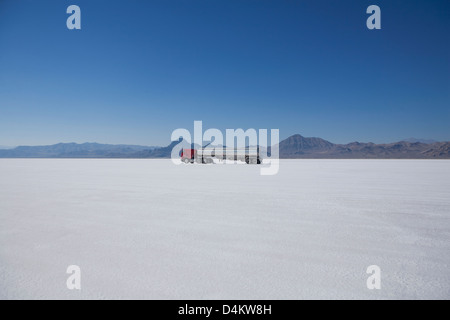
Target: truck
x=248, y=155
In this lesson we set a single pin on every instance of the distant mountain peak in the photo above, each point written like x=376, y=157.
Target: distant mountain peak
x=415, y=140
x=298, y=144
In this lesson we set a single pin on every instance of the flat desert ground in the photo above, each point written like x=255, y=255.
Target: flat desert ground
x=149, y=229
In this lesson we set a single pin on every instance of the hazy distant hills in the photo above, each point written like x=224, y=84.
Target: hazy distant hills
x=73, y=150
x=426, y=141
x=294, y=147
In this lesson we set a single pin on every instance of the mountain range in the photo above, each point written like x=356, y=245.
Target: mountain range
x=299, y=147
x=294, y=147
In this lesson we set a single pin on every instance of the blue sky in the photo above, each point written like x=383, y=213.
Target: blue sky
x=139, y=69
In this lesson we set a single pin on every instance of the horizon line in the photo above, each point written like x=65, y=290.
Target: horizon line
x=420, y=140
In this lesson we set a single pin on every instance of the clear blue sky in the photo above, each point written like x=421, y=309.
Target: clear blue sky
x=139, y=69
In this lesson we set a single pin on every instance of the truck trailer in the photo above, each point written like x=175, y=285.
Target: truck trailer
x=207, y=155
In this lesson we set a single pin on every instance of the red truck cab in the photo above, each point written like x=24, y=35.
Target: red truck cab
x=188, y=155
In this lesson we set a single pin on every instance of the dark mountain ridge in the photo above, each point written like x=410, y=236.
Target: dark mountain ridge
x=298, y=147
